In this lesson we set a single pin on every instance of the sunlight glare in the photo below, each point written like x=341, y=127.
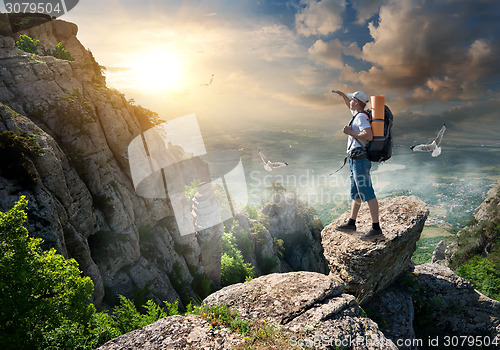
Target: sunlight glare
x=159, y=72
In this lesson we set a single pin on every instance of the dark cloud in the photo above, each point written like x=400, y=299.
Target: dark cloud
x=447, y=48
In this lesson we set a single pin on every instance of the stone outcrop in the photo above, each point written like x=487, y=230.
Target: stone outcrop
x=486, y=211
x=433, y=302
x=369, y=266
x=293, y=222
x=311, y=308
x=264, y=249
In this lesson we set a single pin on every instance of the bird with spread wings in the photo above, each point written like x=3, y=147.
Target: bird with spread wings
x=268, y=165
x=433, y=146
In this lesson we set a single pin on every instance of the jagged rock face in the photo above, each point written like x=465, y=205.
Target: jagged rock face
x=264, y=249
x=457, y=308
x=432, y=302
x=60, y=205
x=484, y=211
x=369, y=266
x=176, y=332
x=311, y=308
x=290, y=221
x=393, y=311
x=84, y=203
x=209, y=229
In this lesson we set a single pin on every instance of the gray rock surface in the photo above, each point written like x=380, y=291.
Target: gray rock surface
x=278, y=297
x=392, y=309
x=311, y=308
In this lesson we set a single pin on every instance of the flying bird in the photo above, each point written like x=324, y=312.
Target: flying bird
x=268, y=165
x=433, y=146
x=210, y=82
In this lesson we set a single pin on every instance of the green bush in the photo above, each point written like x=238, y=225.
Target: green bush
x=44, y=300
x=60, y=52
x=233, y=267
x=484, y=275
x=43, y=297
x=27, y=44
x=128, y=318
x=222, y=316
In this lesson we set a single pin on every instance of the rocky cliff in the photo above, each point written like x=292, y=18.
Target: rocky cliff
x=82, y=200
x=82, y=197
x=293, y=222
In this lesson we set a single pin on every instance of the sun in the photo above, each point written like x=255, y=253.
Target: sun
x=159, y=72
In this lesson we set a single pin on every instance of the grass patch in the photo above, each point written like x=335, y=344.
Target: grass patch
x=257, y=334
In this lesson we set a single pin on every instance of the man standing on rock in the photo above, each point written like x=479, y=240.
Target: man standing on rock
x=359, y=132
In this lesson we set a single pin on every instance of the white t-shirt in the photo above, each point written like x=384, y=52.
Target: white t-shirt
x=359, y=123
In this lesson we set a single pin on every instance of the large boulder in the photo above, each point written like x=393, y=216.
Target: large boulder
x=369, y=266
x=311, y=308
x=277, y=298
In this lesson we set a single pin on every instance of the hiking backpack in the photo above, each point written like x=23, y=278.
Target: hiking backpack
x=380, y=148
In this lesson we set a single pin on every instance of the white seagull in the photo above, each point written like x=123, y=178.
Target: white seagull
x=432, y=147
x=210, y=82
x=268, y=165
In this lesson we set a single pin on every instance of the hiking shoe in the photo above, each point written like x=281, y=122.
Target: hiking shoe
x=372, y=234
x=346, y=227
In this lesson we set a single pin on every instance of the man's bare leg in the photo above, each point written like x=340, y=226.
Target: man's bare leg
x=373, y=205
x=356, y=204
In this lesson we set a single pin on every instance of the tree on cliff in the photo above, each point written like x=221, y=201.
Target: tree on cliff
x=44, y=299
x=42, y=295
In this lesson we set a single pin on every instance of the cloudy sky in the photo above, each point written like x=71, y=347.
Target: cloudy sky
x=435, y=61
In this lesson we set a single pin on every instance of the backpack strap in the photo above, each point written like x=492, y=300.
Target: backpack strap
x=350, y=144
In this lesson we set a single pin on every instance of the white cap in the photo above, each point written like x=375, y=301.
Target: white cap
x=360, y=95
